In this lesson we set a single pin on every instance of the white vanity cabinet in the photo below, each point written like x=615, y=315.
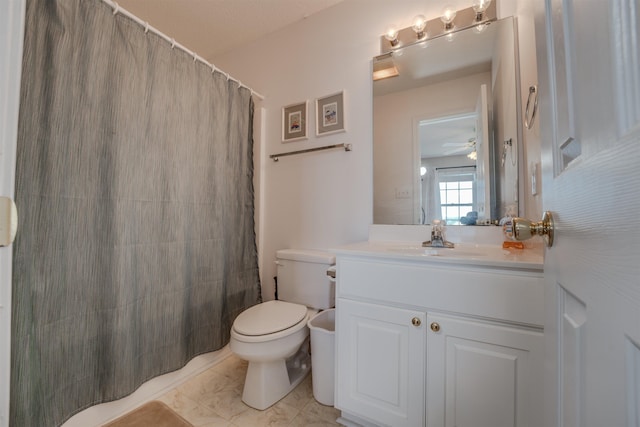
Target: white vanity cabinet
x=423, y=342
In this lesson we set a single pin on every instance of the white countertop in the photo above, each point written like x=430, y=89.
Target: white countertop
x=462, y=254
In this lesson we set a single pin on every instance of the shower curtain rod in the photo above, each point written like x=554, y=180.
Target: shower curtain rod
x=117, y=9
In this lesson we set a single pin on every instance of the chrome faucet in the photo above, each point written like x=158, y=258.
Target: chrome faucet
x=437, y=236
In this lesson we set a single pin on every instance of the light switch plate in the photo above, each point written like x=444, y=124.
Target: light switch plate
x=8, y=221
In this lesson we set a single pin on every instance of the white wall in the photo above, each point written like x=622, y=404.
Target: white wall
x=323, y=199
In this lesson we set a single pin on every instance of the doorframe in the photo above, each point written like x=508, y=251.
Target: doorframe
x=12, y=18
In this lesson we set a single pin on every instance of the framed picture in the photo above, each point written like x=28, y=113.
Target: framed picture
x=294, y=122
x=330, y=114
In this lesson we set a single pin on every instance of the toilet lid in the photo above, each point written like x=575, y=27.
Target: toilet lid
x=269, y=317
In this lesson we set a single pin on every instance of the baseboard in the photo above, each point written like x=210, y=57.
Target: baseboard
x=349, y=420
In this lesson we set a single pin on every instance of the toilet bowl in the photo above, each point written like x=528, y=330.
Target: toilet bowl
x=273, y=336
x=270, y=336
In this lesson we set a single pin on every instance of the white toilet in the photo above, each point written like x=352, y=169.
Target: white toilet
x=273, y=336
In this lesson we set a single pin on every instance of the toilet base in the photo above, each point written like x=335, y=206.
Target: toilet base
x=268, y=382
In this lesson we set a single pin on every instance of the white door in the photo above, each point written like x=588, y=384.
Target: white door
x=589, y=70
x=11, y=34
x=483, y=166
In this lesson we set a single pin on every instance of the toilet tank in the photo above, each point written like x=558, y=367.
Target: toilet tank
x=302, y=277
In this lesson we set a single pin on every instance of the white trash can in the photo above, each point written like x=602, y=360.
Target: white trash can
x=323, y=331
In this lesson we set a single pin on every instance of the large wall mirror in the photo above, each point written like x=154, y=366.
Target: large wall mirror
x=446, y=130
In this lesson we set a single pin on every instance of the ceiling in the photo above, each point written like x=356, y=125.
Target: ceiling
x=213, y=27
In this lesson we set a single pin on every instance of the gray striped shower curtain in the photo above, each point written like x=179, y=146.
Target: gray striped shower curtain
x=136, y=248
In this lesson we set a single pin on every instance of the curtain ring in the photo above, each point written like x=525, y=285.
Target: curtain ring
x=146, y=27
x=173, y=43
x=528, y=122
x=116, y=8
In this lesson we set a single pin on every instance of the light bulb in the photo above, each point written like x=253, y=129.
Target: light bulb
x=447, y=17
x=419, y=23
x=423, y=170
x=479, y=7
x=392, y=35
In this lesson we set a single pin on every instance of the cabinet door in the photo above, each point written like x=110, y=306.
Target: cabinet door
x=380, y=363
x=482, y=374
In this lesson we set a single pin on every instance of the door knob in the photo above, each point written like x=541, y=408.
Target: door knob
x=435, y=326
x=523, y=229
x=416, y=321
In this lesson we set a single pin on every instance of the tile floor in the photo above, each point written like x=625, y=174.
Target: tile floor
x=213, y=399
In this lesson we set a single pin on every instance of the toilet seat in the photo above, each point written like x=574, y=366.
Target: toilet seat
x=269, y=320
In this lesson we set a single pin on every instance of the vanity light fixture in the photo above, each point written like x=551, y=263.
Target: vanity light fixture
x=447, y=17
x=392, y=35
x=422, y=30
x=479, y=7
x=419, y=24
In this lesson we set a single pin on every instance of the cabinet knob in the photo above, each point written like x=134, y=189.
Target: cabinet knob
x=435, y=327
x=416, y=321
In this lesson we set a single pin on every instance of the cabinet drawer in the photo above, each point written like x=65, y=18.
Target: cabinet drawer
x=513, y=296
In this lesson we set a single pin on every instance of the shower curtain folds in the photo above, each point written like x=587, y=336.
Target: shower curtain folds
x=134, y=182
